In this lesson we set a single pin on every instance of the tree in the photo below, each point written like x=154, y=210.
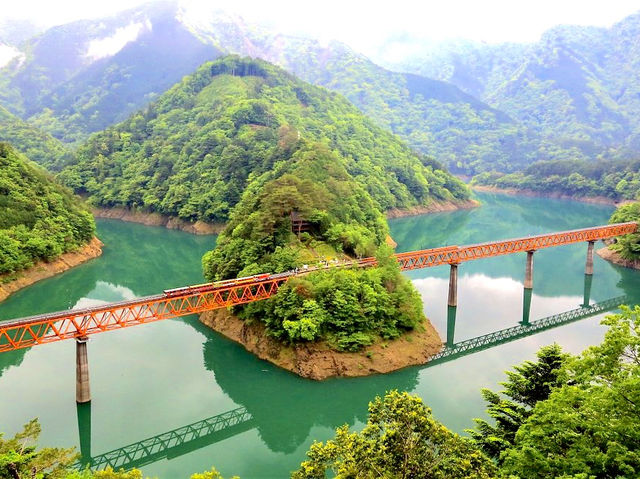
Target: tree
x=401, y=440
x=628, y=245
x=20, y=459
x=590, y=426
x=530, y=383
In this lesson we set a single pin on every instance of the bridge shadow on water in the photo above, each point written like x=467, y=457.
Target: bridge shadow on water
x=284, y=411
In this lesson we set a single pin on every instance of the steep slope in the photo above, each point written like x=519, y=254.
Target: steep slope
x=92, y=84
x=577, y=83
x=40, y=219
x=81, y=77
x=192, y=153
x=33, y=142
x=432, y=116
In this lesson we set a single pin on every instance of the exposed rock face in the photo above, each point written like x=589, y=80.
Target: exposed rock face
x=316, y=360
x=615, y=258
x=156, y=219
x=44, y=270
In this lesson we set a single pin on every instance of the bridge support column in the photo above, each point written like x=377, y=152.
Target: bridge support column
x=526, y=306
x=84, y=431
x=528, y=275
x=453, y=286
x=588, y=278
x=83, y=391
x=451, y=325
x=588, y=269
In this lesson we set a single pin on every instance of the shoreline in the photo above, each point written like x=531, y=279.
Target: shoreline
x=43, y=270
x=316, y=361
x=157, y=219
x=433, y=207
x=615, y=258
x=204, y=228
x=599, y=200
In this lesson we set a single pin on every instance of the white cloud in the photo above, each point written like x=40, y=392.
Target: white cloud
x=7, y=53
x=109, y=46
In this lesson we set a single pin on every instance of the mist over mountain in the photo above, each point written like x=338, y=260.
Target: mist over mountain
x=578, y=84
x=79, y=78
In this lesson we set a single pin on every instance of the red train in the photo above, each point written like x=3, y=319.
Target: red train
x=202, y=288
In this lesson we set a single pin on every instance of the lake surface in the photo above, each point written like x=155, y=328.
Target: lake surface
x=260, y=420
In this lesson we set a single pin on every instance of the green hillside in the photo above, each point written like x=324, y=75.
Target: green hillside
x=40, y=219
x=33, y=142
x=616, y=180
x=192, y=153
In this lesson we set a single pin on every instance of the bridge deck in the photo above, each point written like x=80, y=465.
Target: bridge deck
x=50, y=327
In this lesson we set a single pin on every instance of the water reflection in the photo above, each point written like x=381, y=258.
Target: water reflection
x=284, y=416
x=166, y=445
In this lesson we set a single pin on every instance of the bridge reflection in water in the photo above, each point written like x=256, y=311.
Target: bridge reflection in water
x=167, y=445
x=205, y=432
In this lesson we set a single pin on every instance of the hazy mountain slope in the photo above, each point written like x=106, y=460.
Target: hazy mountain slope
x=433, y=116
x=577, y=83
x=81, y=77
x=81, y=94
x=193, y=151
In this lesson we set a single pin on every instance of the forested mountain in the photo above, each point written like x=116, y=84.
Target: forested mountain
x=40, y=219
x=106, y=69
x=192, y=152
x=577, y=83
x=37, y=145
x=615, y=180
x=84, y=76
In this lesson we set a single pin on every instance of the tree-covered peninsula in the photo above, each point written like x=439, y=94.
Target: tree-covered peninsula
x=193, y=152
x=614, y=180
x=40, y=219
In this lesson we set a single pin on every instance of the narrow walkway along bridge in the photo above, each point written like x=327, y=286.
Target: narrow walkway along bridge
x=78, y=324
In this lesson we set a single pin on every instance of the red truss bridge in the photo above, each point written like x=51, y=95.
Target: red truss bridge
x=79, y=323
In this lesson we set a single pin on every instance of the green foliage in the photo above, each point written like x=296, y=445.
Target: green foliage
x=195, y=150
x=20, y=459
x=589, y=426
x=628, y=245
x=316, y=185
x=617, y=180
x=351, y=308
x=35, y=144
x=212, y=474
x=40, y=219
x=401, y=440
x=530, y=383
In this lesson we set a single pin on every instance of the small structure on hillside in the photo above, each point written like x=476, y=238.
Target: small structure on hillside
x=299, y=224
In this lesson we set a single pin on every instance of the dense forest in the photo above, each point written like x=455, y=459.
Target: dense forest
x=34, y=143
x=79, y=93
x=193, y=152
x=615, y=180
x=575, y=84
x=349, y=308
x=40, y=219
x=628, y=246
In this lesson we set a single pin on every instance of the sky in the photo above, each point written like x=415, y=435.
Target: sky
x=366, y=25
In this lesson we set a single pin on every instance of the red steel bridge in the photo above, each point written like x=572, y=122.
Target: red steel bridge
x=79, y=323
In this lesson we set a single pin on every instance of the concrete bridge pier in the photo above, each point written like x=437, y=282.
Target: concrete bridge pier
x=588, y=269
x=83, y=391
x=453, y=286
x=451, y=325
x=528, y=275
